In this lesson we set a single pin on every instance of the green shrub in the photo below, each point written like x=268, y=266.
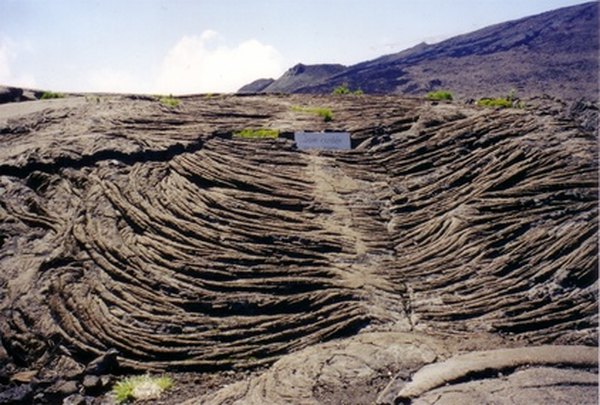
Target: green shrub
x=256, y=133
x=344, y=89
x=140, y=387
x=500, y=102
x=169, y=101
x=326, y=114
x=323, y=112
x=510, y=101
x=48, y=95
x=341, y=89
x=439, y=95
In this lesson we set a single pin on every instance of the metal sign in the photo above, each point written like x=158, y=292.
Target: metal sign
x=323, y=140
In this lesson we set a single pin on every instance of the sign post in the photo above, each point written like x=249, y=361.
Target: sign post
x=323, y=140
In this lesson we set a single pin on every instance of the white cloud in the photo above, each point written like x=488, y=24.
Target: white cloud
x=207, y=35
x=196, y=65
x=9, y=51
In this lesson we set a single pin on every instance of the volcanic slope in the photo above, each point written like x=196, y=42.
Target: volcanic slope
x=553, y=53
x=149, y=229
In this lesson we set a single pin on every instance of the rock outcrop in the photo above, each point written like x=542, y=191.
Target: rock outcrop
x=16, y=94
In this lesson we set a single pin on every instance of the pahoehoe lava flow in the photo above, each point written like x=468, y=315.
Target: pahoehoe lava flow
x=126, y=224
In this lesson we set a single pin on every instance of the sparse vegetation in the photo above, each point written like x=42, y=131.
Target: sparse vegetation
x=93, y=99
x=343, y=89
x=510, y=101
x=256, y=133
x=141, y=387
x=323, y=112
x=169, y=101
x=500, y=102
x=439, y=95
x=48, y=95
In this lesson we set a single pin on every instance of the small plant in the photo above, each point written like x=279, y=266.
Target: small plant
x=343, y=89
x=323, y=112
x=510, y=101
x=169, y=101
x=500, y=102
x=439, y=95
x=141, y=387
x=95, y=99
x=48, y=95
x=256, y=133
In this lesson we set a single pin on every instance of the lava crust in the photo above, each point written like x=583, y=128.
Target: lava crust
x=130, y=225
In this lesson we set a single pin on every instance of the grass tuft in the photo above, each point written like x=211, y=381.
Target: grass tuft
x=140, y=387
x=256, y=133
x=499, y=102
x=510, y=101
x=343, y=89
x=48, y=95
x=439, y=95
x=322, y=112
x=169, y=101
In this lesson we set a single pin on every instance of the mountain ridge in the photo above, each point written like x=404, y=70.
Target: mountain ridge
x=294, y=78
x=554, y=53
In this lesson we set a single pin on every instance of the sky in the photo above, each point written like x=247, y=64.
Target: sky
x=210, y=46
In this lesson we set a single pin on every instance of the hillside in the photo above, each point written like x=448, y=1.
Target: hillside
x=294, y=79
x=554, y=53
x=452, y=253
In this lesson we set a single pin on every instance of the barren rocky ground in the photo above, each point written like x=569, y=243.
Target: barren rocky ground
x=450, y=257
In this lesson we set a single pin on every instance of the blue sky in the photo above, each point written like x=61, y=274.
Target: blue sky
x=193, y=46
